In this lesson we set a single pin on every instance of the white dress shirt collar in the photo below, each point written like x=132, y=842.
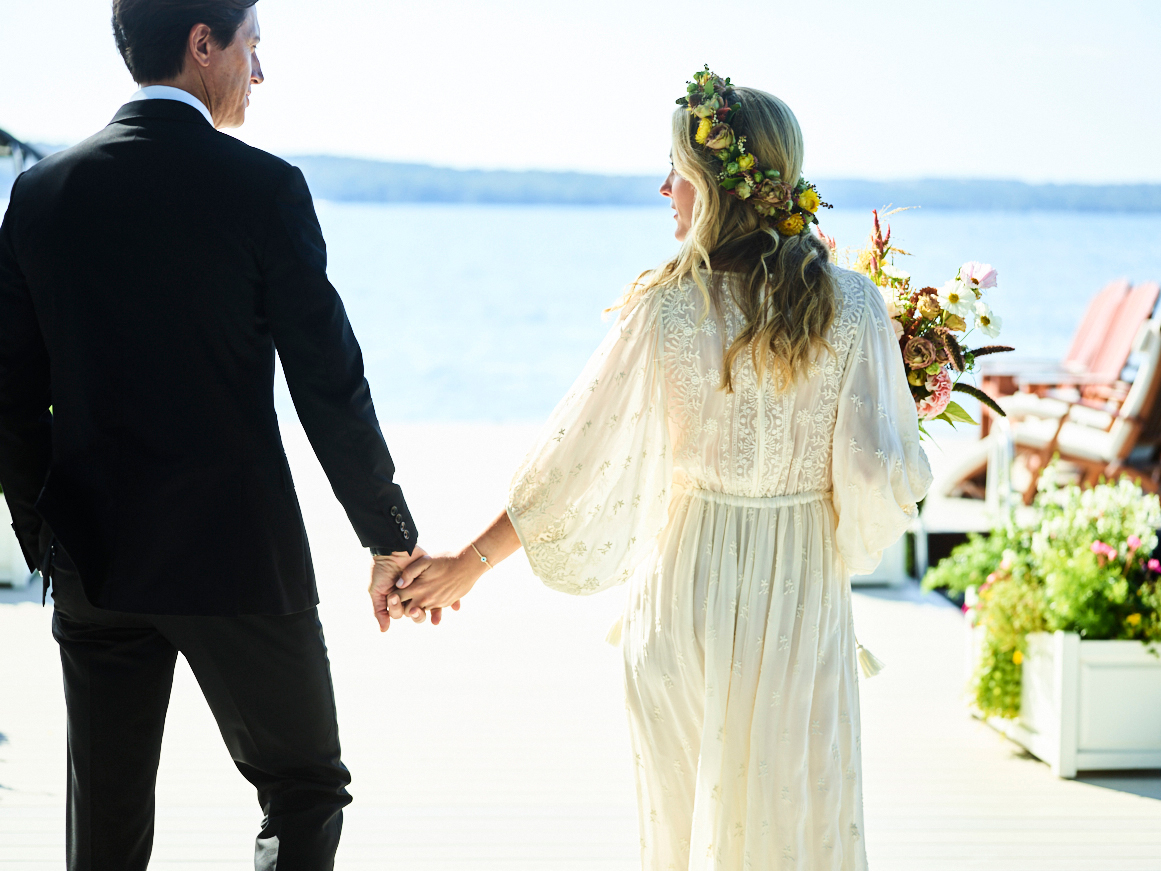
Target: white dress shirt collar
x=165, y=92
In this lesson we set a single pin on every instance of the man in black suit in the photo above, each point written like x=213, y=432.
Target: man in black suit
x=147, y=277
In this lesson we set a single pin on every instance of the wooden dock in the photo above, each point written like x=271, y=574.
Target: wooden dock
x=511, y=712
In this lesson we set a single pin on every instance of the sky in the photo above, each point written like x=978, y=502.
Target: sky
x=1034, y=90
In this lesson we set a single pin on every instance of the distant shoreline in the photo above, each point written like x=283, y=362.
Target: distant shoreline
x=346, y=179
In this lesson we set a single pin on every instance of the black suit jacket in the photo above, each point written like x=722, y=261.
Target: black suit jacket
x=146, y=278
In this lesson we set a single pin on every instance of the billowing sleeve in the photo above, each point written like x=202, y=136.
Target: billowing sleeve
x=593, y=493
x=880, y=470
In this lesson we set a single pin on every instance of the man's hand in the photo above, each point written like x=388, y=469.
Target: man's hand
x=384, y=574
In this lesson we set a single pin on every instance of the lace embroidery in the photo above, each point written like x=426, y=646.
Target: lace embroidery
x=793, y=428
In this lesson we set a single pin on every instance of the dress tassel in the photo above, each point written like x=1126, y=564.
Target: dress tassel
x=615, y=632
x=869, y=663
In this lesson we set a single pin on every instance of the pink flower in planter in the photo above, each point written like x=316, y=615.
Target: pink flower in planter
x=1154, y=565
x=1104, y=550
x=1134, y=543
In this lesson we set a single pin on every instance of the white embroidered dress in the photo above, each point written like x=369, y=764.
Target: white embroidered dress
x=737, y=518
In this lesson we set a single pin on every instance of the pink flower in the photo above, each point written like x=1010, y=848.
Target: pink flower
x=1005, y=564
x=935, y=404
x=977, y=276
x=1134, y=543
x=1098, y=547
x=1154, y=565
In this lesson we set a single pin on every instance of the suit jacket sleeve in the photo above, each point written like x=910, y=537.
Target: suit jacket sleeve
x=324, y=370
x=25, y=398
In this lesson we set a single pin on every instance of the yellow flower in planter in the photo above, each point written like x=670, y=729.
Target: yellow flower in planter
x=1017, y=657
x=1133, y=619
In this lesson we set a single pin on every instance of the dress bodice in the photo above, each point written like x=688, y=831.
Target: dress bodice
x=756, y=441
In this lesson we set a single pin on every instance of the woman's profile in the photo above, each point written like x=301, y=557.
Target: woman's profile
x=742, y=441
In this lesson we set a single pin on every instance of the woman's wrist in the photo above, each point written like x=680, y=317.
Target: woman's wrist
x=472, y=563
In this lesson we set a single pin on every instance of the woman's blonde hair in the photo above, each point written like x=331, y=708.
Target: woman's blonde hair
x=784, y=291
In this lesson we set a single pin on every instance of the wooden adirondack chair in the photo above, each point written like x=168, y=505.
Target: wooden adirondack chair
x=1110, y=358
x=1000, y=379
x=1054, y=395
x=1122, y=438
x=1101, y=447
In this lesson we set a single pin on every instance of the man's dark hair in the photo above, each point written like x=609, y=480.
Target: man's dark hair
x=152, y=34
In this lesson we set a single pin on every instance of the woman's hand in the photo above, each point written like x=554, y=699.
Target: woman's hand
x=441, y=582
x=438, y=582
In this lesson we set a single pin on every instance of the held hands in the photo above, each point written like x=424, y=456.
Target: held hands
x=436, y=583
x=413, y=585
x=385, y=573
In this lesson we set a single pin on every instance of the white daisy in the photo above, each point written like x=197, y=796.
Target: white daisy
x=956, y=299
x=987, y=320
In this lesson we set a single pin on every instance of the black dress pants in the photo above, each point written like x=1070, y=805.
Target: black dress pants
x=268, y=683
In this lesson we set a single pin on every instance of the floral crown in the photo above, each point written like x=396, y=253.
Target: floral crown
x=790, y=209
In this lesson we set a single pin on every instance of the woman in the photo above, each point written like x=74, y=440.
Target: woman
x=742, y=441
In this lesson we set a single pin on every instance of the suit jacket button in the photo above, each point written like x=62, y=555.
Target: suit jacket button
x=394, y=511
x=406, y=535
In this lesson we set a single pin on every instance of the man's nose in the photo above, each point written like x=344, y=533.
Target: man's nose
x=256, y=72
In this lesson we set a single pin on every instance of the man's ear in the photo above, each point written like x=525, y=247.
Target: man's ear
x=200, y=45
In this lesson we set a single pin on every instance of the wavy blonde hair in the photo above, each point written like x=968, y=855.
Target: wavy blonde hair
x=783, y=288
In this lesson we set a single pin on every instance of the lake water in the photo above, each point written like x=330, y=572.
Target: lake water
x=489, y=312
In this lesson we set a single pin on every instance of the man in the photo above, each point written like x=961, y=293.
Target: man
x=147, y=276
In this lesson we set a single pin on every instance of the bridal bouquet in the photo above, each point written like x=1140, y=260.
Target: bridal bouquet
x=932, y=325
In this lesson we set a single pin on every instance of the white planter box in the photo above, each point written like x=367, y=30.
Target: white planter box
x=1088, y=705
x=13, y=571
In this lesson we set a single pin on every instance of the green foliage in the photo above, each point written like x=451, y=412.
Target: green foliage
x=998, y=682
x=1009, y=607
x=970, y=563
x=1081, y=565
x=954, y=413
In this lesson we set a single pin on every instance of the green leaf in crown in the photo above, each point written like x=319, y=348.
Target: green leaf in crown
x=713, y=101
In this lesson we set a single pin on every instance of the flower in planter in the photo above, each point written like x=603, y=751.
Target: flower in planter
x=1083, y=564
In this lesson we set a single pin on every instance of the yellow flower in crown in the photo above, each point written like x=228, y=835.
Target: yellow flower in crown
x=1017, y=658
x=703, y=131
x=809, y=200
x=791, y=225
x=746, y=162
x=1133, y=619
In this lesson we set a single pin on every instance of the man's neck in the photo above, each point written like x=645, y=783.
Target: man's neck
x=192, y=85
x=181, y=95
